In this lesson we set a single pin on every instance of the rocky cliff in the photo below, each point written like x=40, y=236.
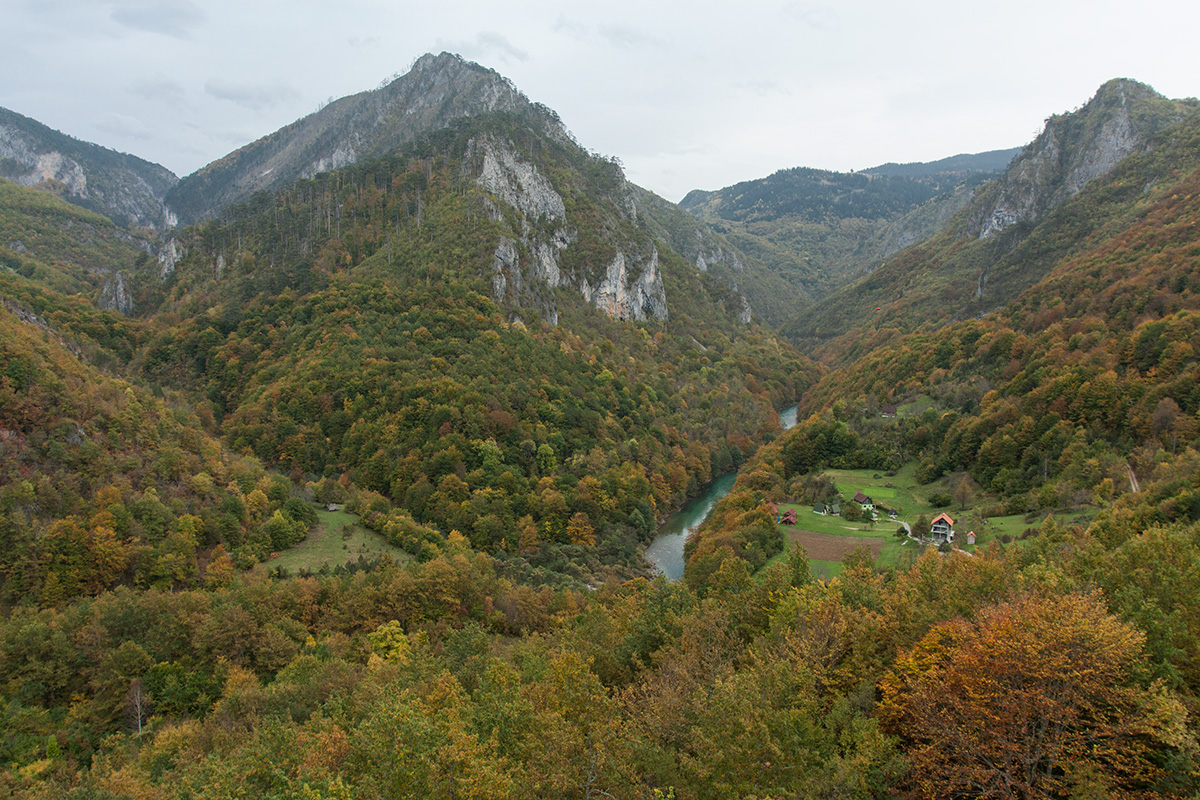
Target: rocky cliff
x=436, y=91
x=527, y=266
x=1073, y=149
x=126, y=189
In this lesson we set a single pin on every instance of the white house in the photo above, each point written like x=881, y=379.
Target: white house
x=941, y=530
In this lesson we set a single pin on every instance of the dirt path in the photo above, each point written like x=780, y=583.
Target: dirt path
x=827, y=547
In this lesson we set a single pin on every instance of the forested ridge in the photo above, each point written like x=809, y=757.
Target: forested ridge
x=380, y=343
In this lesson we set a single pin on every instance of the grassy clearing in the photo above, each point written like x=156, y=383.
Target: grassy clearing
x=825, y=569
x=899, y=491
x=337, y=539
x=902, y=492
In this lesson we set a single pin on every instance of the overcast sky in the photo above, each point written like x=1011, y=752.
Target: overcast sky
x=686, y=94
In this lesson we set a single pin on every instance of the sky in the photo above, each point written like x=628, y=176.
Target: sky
x=695, y=95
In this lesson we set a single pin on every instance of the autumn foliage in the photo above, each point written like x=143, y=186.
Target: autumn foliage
x=1036, y=698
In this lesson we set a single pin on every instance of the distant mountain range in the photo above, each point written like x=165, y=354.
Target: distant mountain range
x=810, y=231
x=993, y=161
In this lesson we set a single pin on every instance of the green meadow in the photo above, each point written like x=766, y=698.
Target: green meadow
x=337, y=539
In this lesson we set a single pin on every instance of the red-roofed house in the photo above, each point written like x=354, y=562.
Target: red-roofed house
x=941, y=530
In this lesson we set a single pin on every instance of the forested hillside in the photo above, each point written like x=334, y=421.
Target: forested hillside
x=808, y=232
x=484, y=351
x=348, y=326
x=973, y=268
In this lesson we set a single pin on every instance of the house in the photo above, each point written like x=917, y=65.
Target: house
x=789, y=517
x=867, y=503
x=941, y=530
x=818, y=508
x=835, y=509
x=887, y=412
x=971, y=537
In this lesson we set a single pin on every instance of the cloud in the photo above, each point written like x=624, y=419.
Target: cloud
x=255, y=97
x=486, y=45
x=123, y=126
x=627, y=38
x=159, y=90
x=762, y=88
x=620, y=36
x=575, y=30
x=176, y=19
x=364, y=41
x=822, y=19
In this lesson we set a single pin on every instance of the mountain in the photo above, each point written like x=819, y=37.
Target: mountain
x=487, y=349
x=578, y=222
x=1079, y=391
x=1057, y=196
x=806, y=232
x=1073, y=149
x=482, y=329
x=126, y=189
x=993, y=161
x=437, y=90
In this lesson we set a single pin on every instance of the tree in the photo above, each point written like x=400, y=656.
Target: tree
x=138, y=704
x=962, y=491
x=1040, y=697
x=580, y=530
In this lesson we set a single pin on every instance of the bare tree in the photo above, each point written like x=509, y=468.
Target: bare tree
x=138, y=704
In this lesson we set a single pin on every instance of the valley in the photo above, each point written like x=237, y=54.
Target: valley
x=411, y=450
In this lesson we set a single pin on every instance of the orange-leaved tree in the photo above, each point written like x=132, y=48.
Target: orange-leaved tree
x=1040, y=697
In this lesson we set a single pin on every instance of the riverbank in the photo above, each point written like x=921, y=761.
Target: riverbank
x=666, y=551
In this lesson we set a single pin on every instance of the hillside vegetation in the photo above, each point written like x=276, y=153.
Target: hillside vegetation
x=807, y=232
x=505, y=364
x=961, y=273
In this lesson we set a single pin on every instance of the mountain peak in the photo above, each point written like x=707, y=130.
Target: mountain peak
x=448, y=61
x=1125, y=87
x=1074, y=148
x=437, y=90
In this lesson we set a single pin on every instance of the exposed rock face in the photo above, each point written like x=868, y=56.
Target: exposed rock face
x=168, y=256
x=345, y=153
x=516, y=181
x=115, y=296
x=1072, y=150
x=126, y=189
x=694, y=240
x=631, y=287
x=630, y=290
x=436, y=91
x=519, y=184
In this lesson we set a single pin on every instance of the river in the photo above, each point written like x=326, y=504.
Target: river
x=666, y=551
